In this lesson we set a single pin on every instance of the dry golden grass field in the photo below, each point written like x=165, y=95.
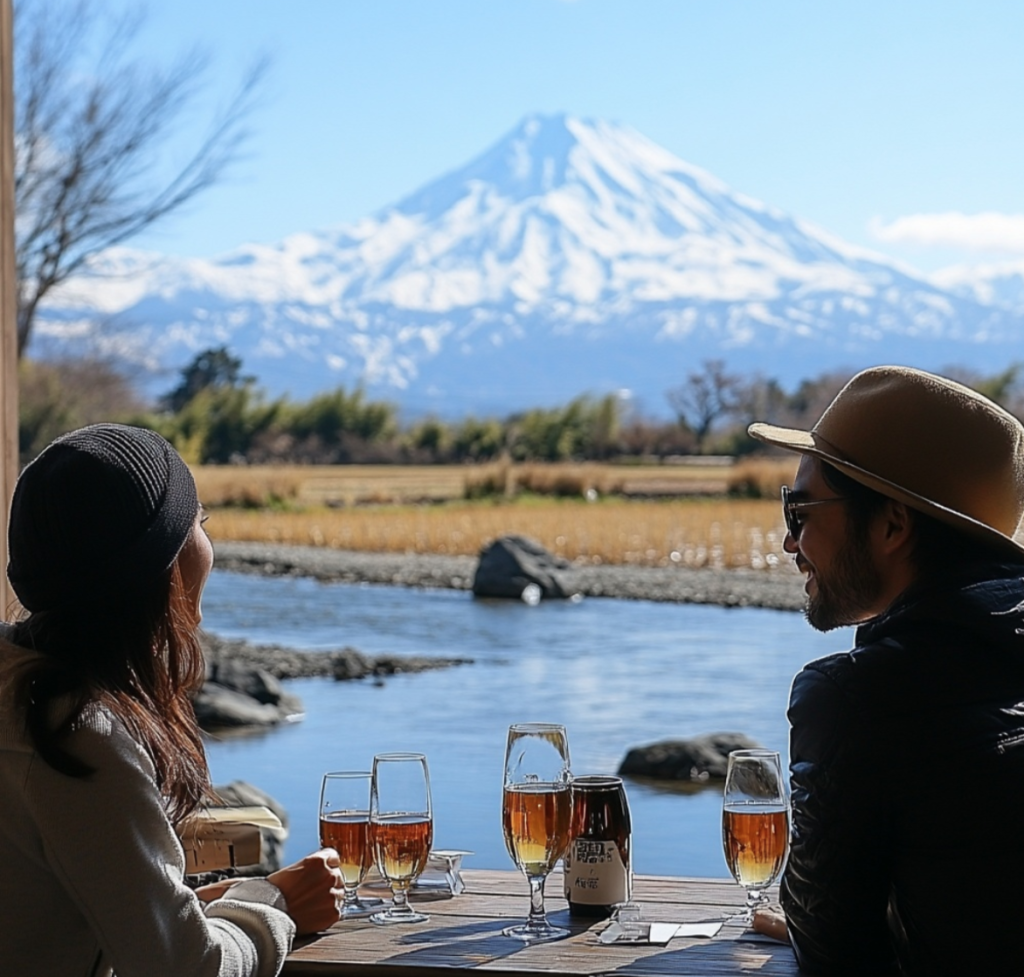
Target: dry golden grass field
x=666, y=516
x=348, y=485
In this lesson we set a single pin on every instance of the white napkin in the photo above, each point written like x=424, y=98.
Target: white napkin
x=657, y=934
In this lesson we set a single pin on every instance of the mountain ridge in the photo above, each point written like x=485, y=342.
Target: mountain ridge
x=570, y=256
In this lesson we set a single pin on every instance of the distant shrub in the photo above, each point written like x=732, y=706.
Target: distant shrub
x=478, y=440
x=329, y=416
x=562, y=481
x=760, y=478
x=242, y=487
x=566, y=481
x=488, y=481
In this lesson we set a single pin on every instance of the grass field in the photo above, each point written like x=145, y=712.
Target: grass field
x=695, y=532
x=651, y=516
x=349, y=485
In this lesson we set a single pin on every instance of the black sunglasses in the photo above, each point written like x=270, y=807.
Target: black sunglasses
x=791, y=510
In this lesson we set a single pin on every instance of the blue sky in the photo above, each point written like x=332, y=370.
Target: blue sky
x=879, y=121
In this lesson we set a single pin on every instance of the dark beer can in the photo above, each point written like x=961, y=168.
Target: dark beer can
x=598, y=868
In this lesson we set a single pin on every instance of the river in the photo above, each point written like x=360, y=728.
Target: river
x=616, y=673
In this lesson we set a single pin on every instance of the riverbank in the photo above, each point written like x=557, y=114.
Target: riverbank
x=780, y=588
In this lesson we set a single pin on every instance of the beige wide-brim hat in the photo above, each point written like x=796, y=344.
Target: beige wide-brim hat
x=926, y=441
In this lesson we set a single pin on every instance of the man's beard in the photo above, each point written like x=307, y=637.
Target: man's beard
x=851, y=586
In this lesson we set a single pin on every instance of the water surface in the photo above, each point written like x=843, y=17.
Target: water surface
x=616, y=673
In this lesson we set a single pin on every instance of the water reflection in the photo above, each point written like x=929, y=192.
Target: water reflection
x=615, y=673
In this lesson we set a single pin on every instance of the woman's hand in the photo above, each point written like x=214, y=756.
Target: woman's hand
x=771, y=922
x=214, y=890
x=311, y=888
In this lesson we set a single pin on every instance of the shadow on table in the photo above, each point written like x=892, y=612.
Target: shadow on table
x=448, y=934
x=466, y=944
x=715, y=957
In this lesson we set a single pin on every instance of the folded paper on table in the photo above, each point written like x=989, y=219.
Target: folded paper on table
x=699, y=930
x=657, y=934
x=219, y=838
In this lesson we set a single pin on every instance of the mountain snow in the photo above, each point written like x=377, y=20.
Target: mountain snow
x=1000, y=284
x=572, y=256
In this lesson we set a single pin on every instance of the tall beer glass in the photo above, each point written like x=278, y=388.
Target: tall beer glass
x=535, y=814
x=401, y=828
x=755, y=823
x=345, y=827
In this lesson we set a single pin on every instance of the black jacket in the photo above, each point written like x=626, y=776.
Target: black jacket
x=907, y=772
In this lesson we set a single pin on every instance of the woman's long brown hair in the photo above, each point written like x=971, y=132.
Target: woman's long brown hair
x=138, y=655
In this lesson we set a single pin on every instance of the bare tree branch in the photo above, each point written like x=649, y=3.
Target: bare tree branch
x=705, y=397
x=89, y=138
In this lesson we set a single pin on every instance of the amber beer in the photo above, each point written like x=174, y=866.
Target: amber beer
x=401, y=845
x=348, y=833
x=598, y=870
x=535, y=818
x=755, y=839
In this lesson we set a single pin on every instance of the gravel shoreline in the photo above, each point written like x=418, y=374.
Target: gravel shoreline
x=780, y=588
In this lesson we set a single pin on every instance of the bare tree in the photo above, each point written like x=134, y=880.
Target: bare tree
x=62, y=394
x=705, y=397
x=91, y=122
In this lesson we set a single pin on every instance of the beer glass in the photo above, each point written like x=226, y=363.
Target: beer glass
x=535, y=814
x=345, y=827
x=401, y=828
x=755, y=824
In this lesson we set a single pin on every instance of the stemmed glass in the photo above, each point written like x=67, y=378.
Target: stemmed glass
x=755, y=824
x=401, y=828
x=344, y=826
x=536, y=812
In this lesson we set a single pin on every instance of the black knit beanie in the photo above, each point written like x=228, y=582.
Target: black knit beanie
x=98, y=516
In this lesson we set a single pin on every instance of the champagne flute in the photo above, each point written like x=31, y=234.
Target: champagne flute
x=345, y=827
x=536, y=811
x=401, y=828
x=755, y=824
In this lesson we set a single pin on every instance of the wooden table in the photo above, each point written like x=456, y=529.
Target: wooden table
x=465, y=933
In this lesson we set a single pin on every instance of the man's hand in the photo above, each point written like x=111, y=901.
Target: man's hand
x=771, y=922
x=311, y=887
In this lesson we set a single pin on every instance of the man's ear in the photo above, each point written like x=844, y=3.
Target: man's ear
x=895, y=527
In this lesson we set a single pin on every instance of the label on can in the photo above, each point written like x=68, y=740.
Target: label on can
x=595, y=874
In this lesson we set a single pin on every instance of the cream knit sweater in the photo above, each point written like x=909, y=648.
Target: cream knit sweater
x=91, y=870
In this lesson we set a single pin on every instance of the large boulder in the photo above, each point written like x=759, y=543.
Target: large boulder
x=218, y=707
x=512, y=564
x=696, y=760
x=254, y=682
x=237, y=694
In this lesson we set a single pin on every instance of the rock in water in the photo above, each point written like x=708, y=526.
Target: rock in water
x=695, y=760
x=510, y=564
x=237, y=694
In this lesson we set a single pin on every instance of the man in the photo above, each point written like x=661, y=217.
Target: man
x=907, y=753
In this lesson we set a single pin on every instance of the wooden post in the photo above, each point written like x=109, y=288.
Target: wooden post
x=8, y=297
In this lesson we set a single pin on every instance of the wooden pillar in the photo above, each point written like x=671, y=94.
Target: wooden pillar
x=8, y=298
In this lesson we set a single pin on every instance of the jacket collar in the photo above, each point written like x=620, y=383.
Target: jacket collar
x=986, y=587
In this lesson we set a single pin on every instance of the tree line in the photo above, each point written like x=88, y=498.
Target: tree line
x=215, y=414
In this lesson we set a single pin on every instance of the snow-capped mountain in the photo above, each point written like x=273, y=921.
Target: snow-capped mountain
x=1000, y=284
x=572, y=256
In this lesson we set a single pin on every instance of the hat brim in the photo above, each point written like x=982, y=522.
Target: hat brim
x=808, y=443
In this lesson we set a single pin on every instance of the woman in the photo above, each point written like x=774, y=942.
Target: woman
x=100, y=756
